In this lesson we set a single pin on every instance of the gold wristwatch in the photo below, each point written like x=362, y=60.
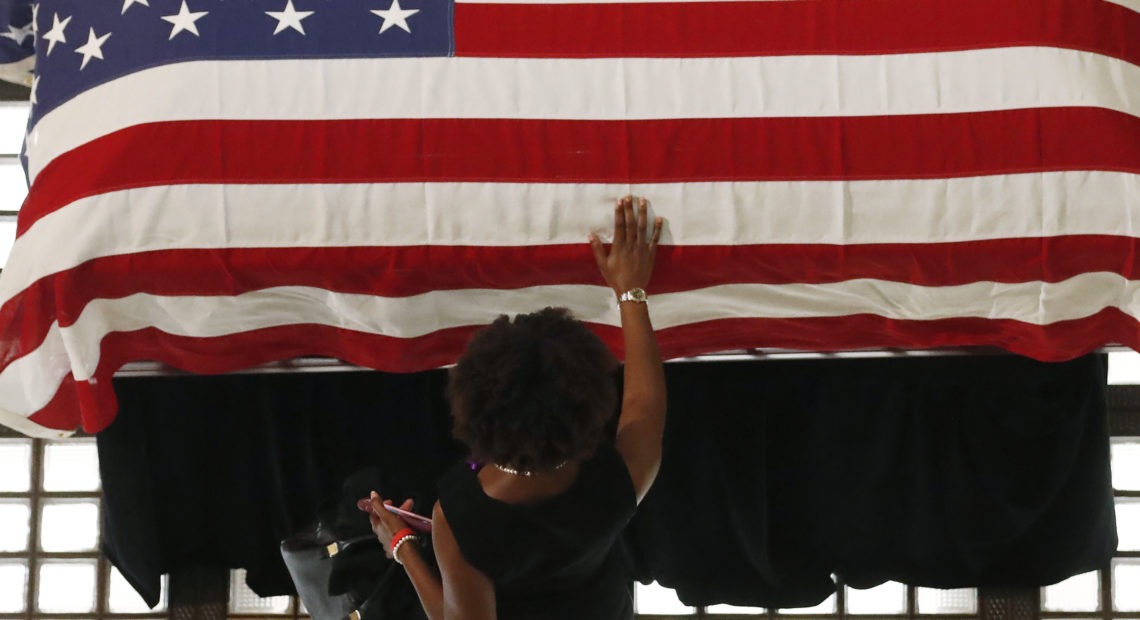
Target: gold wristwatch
x=636, y=295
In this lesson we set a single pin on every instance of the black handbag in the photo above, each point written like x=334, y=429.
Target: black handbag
x=339, y=567
x=306, y=555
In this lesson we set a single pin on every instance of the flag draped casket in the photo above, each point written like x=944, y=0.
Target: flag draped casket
x=219, y=184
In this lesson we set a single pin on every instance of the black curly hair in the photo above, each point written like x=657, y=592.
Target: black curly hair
x=533, y=392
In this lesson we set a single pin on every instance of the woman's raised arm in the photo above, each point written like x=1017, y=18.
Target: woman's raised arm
x=627, y=267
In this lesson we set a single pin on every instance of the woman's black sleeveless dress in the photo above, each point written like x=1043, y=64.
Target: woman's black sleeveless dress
x=552, y=559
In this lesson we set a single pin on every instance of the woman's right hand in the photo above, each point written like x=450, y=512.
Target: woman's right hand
x=628, y=265
x=629, y=262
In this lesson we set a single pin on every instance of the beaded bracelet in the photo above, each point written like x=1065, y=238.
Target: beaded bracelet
x=398, y=538
x=407, y=531
x=400, y=543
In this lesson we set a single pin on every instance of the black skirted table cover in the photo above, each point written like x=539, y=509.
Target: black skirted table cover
x=941, y=472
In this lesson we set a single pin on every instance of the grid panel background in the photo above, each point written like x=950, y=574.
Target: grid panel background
x=50, y=564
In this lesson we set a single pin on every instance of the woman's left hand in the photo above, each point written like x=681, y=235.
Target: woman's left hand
x=385, y=524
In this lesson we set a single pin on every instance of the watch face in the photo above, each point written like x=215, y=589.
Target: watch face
x=635, y=294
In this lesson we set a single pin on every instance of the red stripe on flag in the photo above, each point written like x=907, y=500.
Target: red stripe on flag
x=64, y=412
x=98, y=405
x=673, y=150
x=405, y=271
x=1055, y=342
x=702, y=29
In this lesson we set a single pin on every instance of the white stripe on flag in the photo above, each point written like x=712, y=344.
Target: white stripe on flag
x=30, y=382
x=19, y=72
x=1131, y=4
x=38, y=374
x=509, y=214
x=592, y=89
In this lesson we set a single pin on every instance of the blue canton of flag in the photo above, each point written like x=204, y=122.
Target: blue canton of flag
x=16, y=41
x=82, y=43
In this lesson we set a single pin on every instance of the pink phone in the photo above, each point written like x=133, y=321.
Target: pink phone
x=413, y=520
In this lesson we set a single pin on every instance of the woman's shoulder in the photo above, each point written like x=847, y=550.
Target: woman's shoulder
x=609, y=474
x=457, y=484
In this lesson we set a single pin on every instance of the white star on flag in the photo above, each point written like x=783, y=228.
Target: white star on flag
x=93, y=48
x=129, y=3
x=18, y=34
x=36, y=17
x=56, y=34
x=184, y=21
x=395, y=16
x=289, y=18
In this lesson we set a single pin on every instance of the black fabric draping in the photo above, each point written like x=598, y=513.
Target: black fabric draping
x=942, y=472
x=218, y=470
x=956, y=471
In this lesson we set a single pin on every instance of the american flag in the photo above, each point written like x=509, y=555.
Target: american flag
x=222, y=183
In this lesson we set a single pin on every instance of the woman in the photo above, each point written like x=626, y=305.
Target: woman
x=532, y=534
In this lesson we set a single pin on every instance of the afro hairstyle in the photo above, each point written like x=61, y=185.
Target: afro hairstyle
x=533, y=392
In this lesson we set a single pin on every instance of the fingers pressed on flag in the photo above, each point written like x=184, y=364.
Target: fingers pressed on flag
x=619, y=223
x=642, y=219
x=595, y=244
x=630, y=220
